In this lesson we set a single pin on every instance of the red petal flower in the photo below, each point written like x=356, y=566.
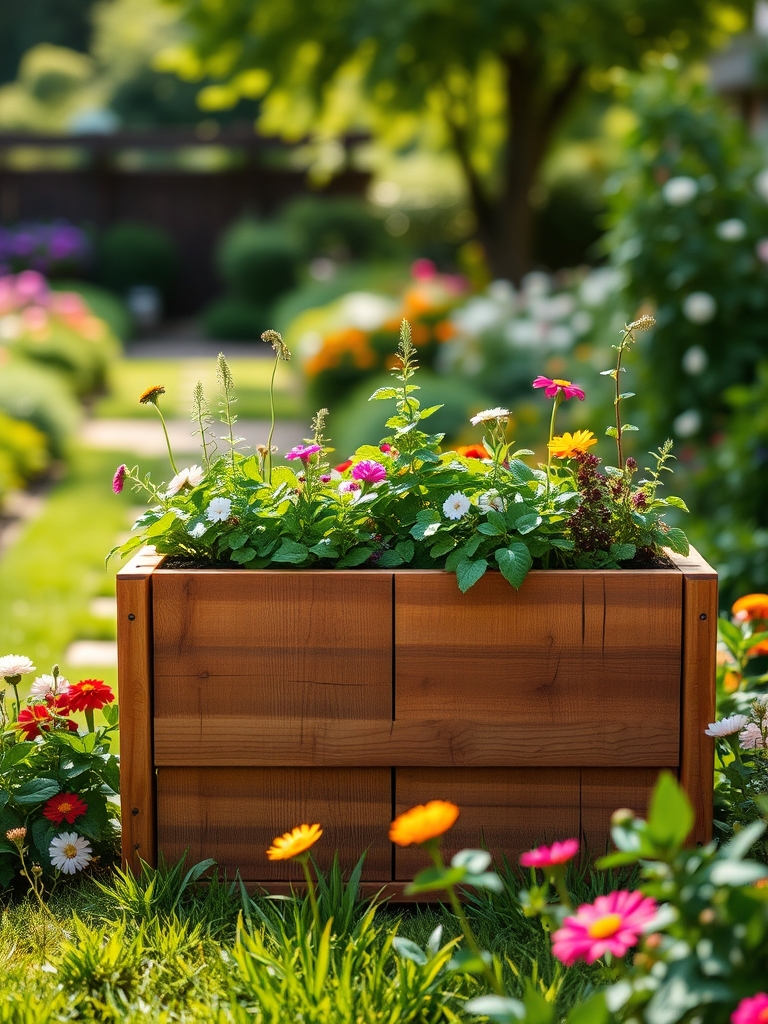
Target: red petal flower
x=32, y=719
x=88, y=695
x=65, y=807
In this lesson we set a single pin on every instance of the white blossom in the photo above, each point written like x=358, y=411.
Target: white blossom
x=197, y=531
x=687, y=423
x=727, y=726
x=731, y=230
x=69, y=852
x=489, y=414
x=219, y=509
x=191, y=477
x=699, y=307
x=695, y=360
x=15, y=665
x=680, y=191
x=456, y=506
x=45, y=684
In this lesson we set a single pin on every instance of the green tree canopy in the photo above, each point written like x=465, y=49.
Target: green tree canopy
x=491, y=79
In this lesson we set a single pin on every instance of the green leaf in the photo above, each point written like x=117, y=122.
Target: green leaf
x=426, y=455
x=18, y=752
x=408, y=950
x=611, y=432
x=670, y=815
x=389, y=560
x=526, y=524
x=324, y=549
x=237, y=539
x=467, y=962
x=243, y=555
x=355, y=557
x=432, y=880
x=520, y=472
x=423, y=413
x=563, y=543
x=628, y=426
x=627, y=394
x=623, y=552
x=382, y=393
x=406, y=549
x=514, y=563
x=489, y=530
x=36, y=791
x=111, y=713
x=498, y=1008
x=497, y=519
x=427, y=523
x=737, y=872
x=290, y=551
x=444, y=544
x=676, y=502
x=677, y=541
x=468, y=572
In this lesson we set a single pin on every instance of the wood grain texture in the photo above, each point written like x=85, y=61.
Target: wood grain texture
x=569, y=648
x=249, y=740
x=604, y=791
x=697, y=751
x=272, y=645
x=233, y=814
x=507, y=810
x=134, y=668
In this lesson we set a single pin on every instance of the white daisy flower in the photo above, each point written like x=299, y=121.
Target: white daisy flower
x=15, y=665
x=197, y=531
x=681, y=190
x=489, y=414
x=727, y=726
x=219, y=509
x=69, y=852
x=456, y=506
x=490, y=500
x=45, y=684
x=751, y=738
x=185, y=478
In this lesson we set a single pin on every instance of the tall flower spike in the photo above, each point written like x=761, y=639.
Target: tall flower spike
x=201, y=414
x=275, y=339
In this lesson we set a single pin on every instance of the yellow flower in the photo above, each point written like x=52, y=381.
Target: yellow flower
x=567, y=445
x=151, y=394
x=427, y=821
x=291, y=844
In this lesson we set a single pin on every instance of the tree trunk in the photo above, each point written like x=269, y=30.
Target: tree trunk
x=506, y=222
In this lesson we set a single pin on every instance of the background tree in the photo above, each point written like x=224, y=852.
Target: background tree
x=491, y=80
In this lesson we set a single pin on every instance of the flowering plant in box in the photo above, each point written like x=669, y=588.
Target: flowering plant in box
x=55, y=781
x=409, y=502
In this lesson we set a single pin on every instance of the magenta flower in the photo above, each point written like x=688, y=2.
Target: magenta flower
x=609, y=925
x=303, y=452
x=118, y=480
x=369, y=471
x=386, y=448
x=549, y=856
x=752, y=1010
x=553, y=385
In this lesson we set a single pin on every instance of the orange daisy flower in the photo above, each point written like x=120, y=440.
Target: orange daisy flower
x=291, y=844
x=422, y=823
x=566, y=445
x=749, y=607
x=151, y=394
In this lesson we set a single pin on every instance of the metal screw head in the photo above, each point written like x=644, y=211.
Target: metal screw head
x=703, y=615
x=134, y=810
x=131, y=616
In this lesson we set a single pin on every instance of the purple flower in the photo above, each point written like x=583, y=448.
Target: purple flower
x=118, y=480
x=303, y=452
x=369, y=471
x=325, y=478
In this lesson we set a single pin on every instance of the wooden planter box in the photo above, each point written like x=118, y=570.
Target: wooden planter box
x=254, y=701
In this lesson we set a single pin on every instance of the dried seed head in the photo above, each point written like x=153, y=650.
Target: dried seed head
x=152, y=394
x=262, y=449
x=644, y=323
x=274, y=338
x=16, y=836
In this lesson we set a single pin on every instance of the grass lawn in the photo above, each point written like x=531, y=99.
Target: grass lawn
x=129, y=377
x=50, y=576
x=161, y=949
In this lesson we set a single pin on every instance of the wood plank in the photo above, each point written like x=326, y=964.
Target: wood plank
x=134, y=672
x=605, y=790
x=273, y=645
x=569, y=649
x=507, y=810
x=233, y=814
x=243, y=740
x=697, y=756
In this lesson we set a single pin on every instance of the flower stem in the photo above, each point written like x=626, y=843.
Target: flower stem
x=16, y=694
x=617, y=400
x=167, y=439
x=490, y=975
x=555, y=402
x=268, y=456
x=89, y=719
x=304, y=861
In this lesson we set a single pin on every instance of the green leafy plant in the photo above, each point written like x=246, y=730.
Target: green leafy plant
x=407, y=502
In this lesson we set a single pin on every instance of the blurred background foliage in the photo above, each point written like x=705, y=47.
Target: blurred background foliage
x=517, y=177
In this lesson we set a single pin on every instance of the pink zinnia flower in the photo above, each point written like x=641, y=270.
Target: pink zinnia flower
x=303, y=452
x=118, y=480
x=549, y=856
x=609, y=925
x=369, y=471
x=553, y=385
x=752, y=1010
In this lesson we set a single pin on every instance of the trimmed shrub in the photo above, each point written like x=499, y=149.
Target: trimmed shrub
x=132, y=254
x=233, y=319
x=258, y=262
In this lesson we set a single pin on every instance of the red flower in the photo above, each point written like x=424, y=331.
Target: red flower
x=32, y=719
x=472, y=451
x=88, y=695
x=65, y=807
x=343, y=465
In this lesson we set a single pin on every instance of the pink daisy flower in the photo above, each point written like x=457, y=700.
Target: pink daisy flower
x=369, y=471
x=303, y=452
x=752, y=1010
x=611, y=924
x=552, y=385
x=549, y=856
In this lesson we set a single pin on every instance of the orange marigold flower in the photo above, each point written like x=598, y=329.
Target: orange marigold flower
x=444, y=330
x=566, y=445
x=749, y=607
x=758, y=649
x=732, y=680
x=151, y=394
x=427, y=821
x=291, y=844
x=472, y=451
